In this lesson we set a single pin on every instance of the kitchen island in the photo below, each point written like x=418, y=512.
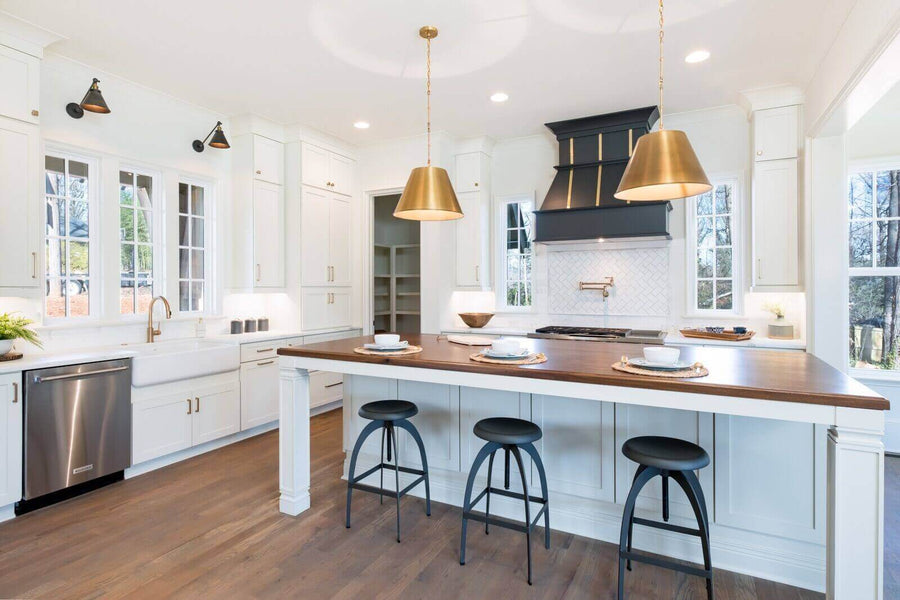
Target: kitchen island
x=796, y=482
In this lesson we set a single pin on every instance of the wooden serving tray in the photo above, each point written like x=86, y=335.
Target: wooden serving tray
x=729, y=336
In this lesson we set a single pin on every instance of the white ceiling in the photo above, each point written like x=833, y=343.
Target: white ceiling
x=328, y=63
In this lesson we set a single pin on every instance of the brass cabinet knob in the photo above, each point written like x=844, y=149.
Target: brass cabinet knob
x=258, y=172
x=35, y=113
x=759, y=152
x=476, y=184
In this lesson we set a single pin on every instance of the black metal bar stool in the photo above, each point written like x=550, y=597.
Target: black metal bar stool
x=666, y=457
x=509, y=435
x=388, y=415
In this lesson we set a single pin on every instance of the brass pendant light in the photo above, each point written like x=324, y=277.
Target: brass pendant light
x=428, y=195
x=663, y=166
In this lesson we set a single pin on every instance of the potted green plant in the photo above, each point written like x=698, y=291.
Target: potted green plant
x=13, y=328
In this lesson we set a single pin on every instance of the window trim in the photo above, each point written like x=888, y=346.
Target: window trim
x=736, y=181
x=209, y=247
x=158, y=212
x=95, y=236
x=500, y=203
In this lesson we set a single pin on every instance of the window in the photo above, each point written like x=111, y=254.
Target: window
x=874, y=236
x=136, y=239
x=712, y=249
x=193, y=212
x=69, y=197
x=517, y=252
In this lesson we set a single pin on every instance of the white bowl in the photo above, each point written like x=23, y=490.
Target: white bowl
x=506, y=346
x=387, y=339
x=662, y=355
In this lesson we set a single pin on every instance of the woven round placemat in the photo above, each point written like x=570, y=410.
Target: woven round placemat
x=531, y=359
x=10, y=356
x=697, y=370
x=408, y=350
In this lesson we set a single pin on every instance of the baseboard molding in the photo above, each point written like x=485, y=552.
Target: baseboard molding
x=318, y=410
x=7, y=512
x=169, y=459
x=792, y=562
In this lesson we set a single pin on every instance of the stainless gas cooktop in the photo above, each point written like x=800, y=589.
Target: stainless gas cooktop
x=601, y=334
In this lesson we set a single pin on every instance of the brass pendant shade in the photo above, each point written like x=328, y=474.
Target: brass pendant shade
x=662, y=167
x=428, y=196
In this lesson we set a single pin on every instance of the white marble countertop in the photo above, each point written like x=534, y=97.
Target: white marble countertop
x=757, y=341
x=58, y=359
x=258, y=336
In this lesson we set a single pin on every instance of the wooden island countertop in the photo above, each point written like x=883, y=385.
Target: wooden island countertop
x=738, y=372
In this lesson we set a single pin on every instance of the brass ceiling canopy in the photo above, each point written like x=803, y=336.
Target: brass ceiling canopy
x=428, y=195
x=664, y=165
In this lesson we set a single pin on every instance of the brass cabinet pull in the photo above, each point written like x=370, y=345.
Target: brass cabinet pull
x=264, y=363
x=331, y=385
x=190, y=406
x=258, y=272
x=258, y=172
x=35, y=113
x=197, y=398
x=15, y=392
x=261, y=350
x=34, y=265
x=477, y=275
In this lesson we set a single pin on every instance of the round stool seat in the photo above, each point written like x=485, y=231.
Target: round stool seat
x=506, y=430
x=388, y=410
x=667, y=453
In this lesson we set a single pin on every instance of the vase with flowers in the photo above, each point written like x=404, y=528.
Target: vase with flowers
x=13, y=328
x=779, y=329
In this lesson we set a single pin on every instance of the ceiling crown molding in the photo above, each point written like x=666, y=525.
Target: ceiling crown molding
x=771, y=97
x=24, y=36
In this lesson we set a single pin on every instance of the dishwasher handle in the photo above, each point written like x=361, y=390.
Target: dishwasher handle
x=39, y=379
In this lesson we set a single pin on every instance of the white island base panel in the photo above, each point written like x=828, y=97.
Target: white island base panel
x=795, y=491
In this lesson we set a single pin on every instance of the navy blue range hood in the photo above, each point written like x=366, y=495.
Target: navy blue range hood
x=593, y=153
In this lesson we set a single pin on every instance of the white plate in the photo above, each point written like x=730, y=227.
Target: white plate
x=387, y=347
x=643, y=363
x=491, y=353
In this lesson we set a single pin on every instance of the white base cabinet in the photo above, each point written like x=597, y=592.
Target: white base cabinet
x=259, y=393
x=11, y=442
x=174, y=416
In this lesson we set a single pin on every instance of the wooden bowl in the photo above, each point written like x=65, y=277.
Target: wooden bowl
x=476, y=320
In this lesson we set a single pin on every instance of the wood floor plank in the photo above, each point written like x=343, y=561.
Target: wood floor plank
x=209, y=527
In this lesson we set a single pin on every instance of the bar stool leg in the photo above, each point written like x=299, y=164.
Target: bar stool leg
x=393, y=433
x=639, y=482
x=366, y=432
x=640, y=470
x=518, y=455
x=409, y=427
x=688, y=482
x=381, y=470
x=487, y=506
x=486, y=450
x=545, y=493
x=665, y=496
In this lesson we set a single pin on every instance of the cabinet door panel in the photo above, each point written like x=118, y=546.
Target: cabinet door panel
x=468, y=172
x=268, y=235
x=340, y=169
x=339, y=241
x=268, y=160
x=11, y=447
x=468, y=241
x=775, y=229
x=314, y=166
x=259, y=393
x=476, y=404
x=20, y=74
x=324, y=388
x=217, y=412
x=315, y=215
x=578, y=445
x=161, y=426
x=361, y=390
x=315, y=311
x=19, y=195
x=339, y=309
x=437, y=422
x=775, y=133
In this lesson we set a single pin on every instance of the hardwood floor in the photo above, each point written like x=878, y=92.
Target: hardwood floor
x=209, y=527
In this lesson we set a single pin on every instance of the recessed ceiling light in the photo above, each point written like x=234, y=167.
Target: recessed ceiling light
x=499, y=97
x=361, y=124
x=697, y=56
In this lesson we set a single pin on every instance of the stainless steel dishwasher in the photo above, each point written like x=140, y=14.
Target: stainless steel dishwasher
x=77, y=427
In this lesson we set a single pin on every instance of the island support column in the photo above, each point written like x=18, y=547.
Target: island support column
x=855, y=506
x=293, y=438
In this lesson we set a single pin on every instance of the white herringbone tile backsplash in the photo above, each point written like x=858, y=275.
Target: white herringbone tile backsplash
x=641, y=282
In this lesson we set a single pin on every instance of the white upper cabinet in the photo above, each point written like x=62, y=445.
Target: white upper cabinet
x=324, y=238
x=326, y=170
x=268, y=235
x=325, y=308
x=268, y=160
x=20, y=178
x=473, y=267
x=472, y=171
x=20, y=74
x=775, y=134
x=776, y=243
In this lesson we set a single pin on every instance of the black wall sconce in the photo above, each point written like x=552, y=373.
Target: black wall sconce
x=92, y=102
x=218, y=139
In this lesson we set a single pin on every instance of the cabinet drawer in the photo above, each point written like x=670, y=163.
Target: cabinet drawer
x=259, y=350
x=325, y=387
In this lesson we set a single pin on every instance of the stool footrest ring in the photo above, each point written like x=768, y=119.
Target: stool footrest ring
x=666, y=526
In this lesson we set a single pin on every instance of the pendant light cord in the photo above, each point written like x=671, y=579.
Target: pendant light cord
x=661, y=65
x=428, y=91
